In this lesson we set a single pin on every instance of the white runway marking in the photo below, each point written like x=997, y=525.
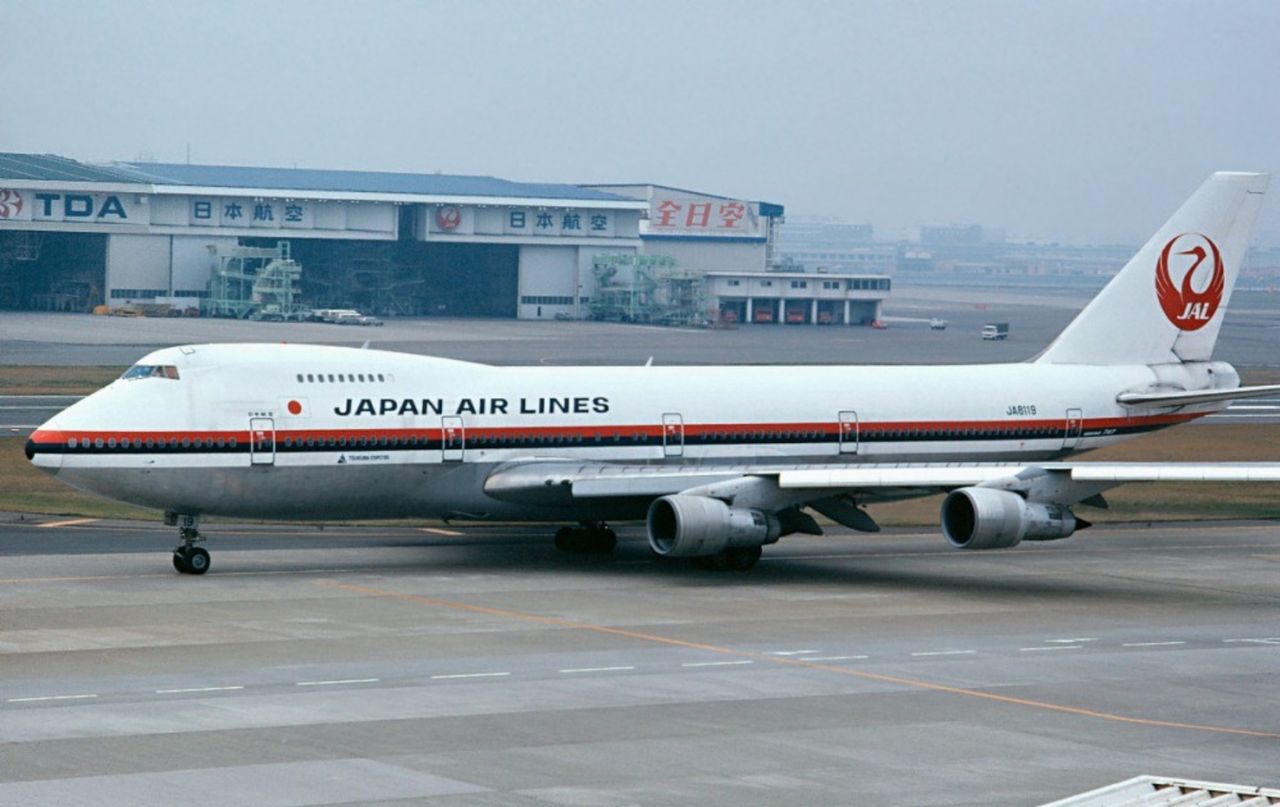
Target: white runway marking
x=1055, y=647
x=835, y=658
x=792, y=652
x=338, y=681
x=470, y=675
x=945, y=653
x=716, y=663
x=1151, y=644
x=595, y=669
x=51, y=698
x=1268, y=640
x=439, y=531
x=1069, y=641
x=197, y=689
x=67, y=523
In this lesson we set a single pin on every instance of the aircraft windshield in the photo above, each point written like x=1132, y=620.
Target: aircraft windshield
x=152, y=371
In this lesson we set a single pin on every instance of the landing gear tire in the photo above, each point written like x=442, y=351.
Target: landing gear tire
x=593, y=540
x=187, y=557
x=191, y=560
x=197, y=560
x=731, y=560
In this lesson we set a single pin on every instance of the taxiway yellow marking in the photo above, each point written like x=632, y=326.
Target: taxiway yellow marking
x=69, y=523
x=439, y=531
x=915, y=683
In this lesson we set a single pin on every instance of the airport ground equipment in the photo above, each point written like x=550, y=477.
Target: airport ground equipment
x=255, y=283
x=647, y=289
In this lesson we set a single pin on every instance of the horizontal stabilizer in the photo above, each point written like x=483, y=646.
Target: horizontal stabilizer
x=1179, y=398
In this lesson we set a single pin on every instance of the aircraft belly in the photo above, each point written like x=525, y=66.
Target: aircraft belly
x=302, y=492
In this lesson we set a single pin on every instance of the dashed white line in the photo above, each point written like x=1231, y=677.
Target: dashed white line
x=946, y=653
x=1069, y=641
x=716, y=663
x=1267, y=640
x=470, y=675
x=792, y=652
x=835, y=658
x=197, y=689
x=595, y=669
x=338, y=681
x=1055, y=647
x=51, y=698
x=439, y=531
x=1151, y=644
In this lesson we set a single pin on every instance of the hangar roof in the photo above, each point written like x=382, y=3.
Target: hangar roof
x=172, y=177
x=311, y=179
x=52, y=168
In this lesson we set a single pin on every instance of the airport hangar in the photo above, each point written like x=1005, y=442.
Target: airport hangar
x=76, y=235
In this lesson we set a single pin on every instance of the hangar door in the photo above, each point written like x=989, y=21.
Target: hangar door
x=469, y=280
x=52, y=271
x=548, y=281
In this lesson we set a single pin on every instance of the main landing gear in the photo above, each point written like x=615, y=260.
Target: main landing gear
x=590, y=538
x=187, y=557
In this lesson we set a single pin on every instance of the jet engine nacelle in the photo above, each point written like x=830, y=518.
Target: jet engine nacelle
x=683, y=526
x=985, y=518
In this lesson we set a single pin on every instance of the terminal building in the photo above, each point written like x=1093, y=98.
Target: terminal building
x=74, y=236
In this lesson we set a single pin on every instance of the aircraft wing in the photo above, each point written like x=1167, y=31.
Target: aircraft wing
x=1179, y=398
x=942, y=477
x=558, y=483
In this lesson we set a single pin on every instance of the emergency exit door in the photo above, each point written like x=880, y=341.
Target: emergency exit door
x=262, y=441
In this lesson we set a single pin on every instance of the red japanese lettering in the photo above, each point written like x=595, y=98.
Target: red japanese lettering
x=699, y=214
x=731, y=213
x=667, y=210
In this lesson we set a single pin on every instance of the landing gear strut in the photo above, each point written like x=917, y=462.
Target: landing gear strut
x=591, y=538
x=187, y=557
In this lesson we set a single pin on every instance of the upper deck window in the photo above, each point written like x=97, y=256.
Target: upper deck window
x=151, y=371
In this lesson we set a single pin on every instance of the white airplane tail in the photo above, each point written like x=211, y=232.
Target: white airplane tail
x=1167, y=304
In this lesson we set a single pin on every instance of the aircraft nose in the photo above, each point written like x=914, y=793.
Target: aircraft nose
x=44, y=447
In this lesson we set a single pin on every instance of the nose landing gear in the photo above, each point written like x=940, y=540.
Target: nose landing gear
x=187, y=557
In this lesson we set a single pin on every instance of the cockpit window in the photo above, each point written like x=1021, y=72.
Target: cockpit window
x=152, y=371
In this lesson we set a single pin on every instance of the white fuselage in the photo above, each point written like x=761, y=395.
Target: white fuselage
x=299, y=431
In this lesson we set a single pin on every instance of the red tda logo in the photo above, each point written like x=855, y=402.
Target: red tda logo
x=1197, y=259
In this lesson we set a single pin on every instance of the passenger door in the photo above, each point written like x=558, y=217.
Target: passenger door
x=262, y=441
x=453, y=438
x=1074, y=429
x=672, y=434
x=848, y=432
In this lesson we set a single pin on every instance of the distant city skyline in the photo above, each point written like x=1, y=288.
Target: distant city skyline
x=1085, y=122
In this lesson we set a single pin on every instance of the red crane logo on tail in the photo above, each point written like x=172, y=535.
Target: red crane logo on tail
x=1185, y=307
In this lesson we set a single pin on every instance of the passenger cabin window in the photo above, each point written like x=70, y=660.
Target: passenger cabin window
x=151, y=371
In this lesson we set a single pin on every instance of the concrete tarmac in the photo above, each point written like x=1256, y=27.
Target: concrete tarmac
x=1248, y=340
x=478, y=665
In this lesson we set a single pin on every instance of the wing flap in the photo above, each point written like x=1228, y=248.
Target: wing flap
x=1176, y=472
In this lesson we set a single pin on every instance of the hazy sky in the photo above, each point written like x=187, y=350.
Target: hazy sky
x=1080, y=121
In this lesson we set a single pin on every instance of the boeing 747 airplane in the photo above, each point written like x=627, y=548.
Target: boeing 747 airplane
x=719, y=461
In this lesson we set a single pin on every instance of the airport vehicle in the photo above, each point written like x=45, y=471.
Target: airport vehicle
x=718, y=461
x=937, y=324
x=995, y=331
x=342, y=316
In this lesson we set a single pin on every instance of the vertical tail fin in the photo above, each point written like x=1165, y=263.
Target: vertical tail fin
x=1166, y=305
